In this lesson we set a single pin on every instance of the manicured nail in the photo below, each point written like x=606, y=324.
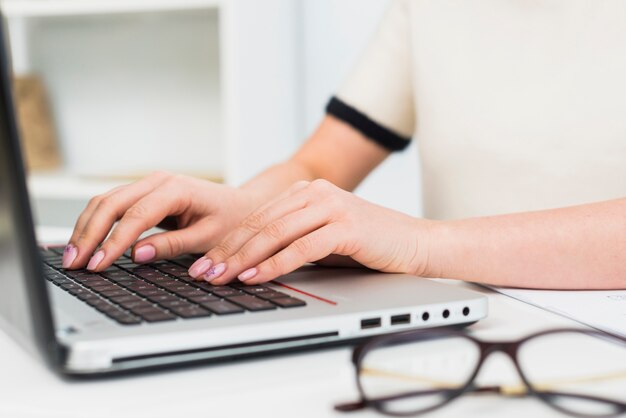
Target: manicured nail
x=200, y=267
x=144, y=254
x=69, y=255
x=248, y=274
x=215, y=272
x=95, y=260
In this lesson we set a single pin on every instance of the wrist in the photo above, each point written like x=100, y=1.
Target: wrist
x=428, y=260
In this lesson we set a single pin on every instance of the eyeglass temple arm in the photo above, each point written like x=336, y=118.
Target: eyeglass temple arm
x=507, y=391
x=364, y=403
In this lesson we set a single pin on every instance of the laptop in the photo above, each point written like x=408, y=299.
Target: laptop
x=136, y=317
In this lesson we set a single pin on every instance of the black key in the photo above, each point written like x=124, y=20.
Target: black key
x=126, y=297
x=222, y=307
x=107, y=308
x=152, y=292
x=191, y=312
x=78, y=291
x=160, y=280
x=86, y=296
x=161, y=298
x=95, y=302
x=140, y=304
x=193, y=293
x=118, y=274
x=111, y=293
x=252, y=303
x=97, y=285
x=68, y=286
x=210, y=287
x=172, y=269
x=126, y=318
x=105, y=288
x=148, y=310
x=129, y=266
x=141, y=285
x=125, y=281
x=89, y=278
x=61, y=280
x=288, y=302
x=158, y=317
x=272, y=295
x=227, y=292
x=255, y=290
x=203, y=298
x=169, y=304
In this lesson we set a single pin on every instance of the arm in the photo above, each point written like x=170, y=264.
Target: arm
x=203, y=212
x=581, y=247
x=335, y=152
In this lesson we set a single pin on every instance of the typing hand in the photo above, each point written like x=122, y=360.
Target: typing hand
x=309, y=222
x=202, y=211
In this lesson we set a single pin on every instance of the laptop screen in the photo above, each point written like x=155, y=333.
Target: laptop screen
x=24, y=305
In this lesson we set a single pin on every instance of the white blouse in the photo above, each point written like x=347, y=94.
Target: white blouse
x=516, y=104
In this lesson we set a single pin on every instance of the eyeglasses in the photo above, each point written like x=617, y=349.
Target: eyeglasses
x=576, y=371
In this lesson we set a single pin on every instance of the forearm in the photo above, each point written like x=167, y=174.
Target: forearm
x=582, y=247
x=335, y=152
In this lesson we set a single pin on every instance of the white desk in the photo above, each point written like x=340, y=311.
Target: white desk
x=295, y=386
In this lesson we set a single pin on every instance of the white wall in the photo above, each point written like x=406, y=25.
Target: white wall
x=334, y=33
x=133, y=92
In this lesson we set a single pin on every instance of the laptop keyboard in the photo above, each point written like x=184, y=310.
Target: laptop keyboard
x=132, y=293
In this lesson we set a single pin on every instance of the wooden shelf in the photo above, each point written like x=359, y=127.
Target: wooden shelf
x=43, y=8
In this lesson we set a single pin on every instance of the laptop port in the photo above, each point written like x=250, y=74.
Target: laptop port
x=401, y=319
x=446, y=313
x=466, y=311
x=425, y=316
x=370, y=323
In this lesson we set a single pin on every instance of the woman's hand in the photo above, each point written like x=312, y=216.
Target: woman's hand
x=309, y=222
x=203, y=213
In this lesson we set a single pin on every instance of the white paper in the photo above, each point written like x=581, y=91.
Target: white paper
x=601, y=309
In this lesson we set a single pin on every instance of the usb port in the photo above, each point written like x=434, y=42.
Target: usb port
x=401, y=319
x=370, y=323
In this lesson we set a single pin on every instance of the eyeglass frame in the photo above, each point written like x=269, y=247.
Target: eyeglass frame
x=509, y=348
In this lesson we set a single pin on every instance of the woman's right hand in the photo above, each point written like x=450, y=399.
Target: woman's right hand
x=203, y=213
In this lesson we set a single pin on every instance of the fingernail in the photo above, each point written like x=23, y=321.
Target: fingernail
x=200, y=267
x=144, y=254
x=69, y=255
x=215, y=272
x=95, y=260
x=248, y=274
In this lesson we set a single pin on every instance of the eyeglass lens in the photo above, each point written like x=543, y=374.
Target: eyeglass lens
x=573, y=363
x=418, y=375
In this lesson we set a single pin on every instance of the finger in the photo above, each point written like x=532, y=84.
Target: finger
x=140, y=217
x=163, y=245
x=254, y=223
x=312, y=247
x=102, y=212
x=271, y=239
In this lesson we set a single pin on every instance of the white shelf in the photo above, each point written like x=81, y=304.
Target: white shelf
x=43, y=8
x=60, y=185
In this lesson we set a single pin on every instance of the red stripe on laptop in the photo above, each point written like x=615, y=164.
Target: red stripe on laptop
x=306, y=293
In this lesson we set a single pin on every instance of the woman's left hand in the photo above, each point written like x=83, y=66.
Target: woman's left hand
x=309, y=222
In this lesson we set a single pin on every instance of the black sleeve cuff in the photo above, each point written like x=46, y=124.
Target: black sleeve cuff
x=362, y=123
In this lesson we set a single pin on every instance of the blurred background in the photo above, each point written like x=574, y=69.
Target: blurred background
x=110, y=90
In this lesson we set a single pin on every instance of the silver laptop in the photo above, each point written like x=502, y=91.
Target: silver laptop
x=133, y=317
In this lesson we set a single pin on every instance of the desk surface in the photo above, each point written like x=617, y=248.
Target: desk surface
x=296, y=385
